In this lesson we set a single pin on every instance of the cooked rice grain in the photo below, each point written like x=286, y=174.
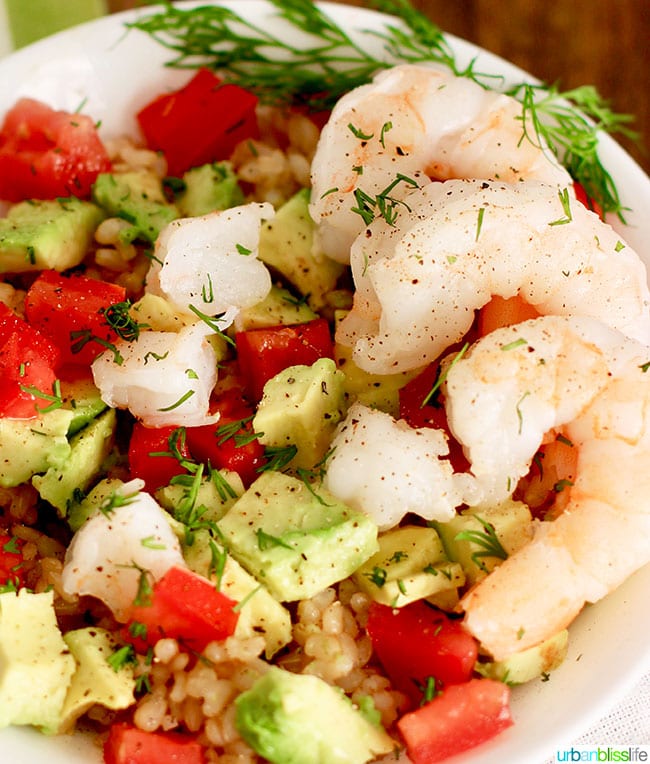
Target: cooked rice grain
x=197, y=694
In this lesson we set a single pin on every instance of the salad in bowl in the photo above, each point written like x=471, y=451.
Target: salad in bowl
x=324, y=380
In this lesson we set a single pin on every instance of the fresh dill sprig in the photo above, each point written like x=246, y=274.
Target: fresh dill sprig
x=487, y=541
x=569, y=123
x=120, y=320
x=318, y=61
x=317, y=70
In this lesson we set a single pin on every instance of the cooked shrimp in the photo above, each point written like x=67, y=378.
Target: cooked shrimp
x=124, y=540
x=590, y=383
x=209, y=263
x=419, y=122
x=385, y=469
x=162, y=378
x=419, y=281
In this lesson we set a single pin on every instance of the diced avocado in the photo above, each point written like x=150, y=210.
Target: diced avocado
x=88, y=449
x=447, y=599
x=373, y=390
x=410, y=565
x=481, y=539
x=208, y=188
x=137, y=197
x=36, y=666
x=278, y=307
x=158, y=314
x=529, y=664
x=56, y=234
x=30, y=446
x=80, y=511
x=214, y=495
x=301, y=406
x=259, y=612
x=84, y=400
x=286, y=244
x=95, y=681
x=296, y=538
x=300, y=719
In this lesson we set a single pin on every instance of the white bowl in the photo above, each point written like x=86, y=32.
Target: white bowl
x=113, y=73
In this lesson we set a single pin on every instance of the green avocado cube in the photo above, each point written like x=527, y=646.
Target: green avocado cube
x=301, y=407
x=279, y=307
x=208, y=188
x=287, y=245
x=36, y=666
x=481, y=539
x=138, y=198
x=36, y=235
x=529, y=664
x=80, y=510
x=411, y=564
x=30, y=446
x=296, y=538
x=300, y=719
x=260, y=614
x=95, y=681
x=88, y=449
x=212, y=496
x=84, y=400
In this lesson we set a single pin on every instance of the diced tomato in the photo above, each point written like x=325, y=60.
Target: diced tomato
x=154, y=454
x=46, y=153
x=71, y=310
x=28, y=362
x=418, y=413
x=546, y=488
x=417, y=406
x=417, y=643
x=202, y=122
x=461, y=717
x=501, y=312
x=187, y=607
x=590, y=204
x=11, y=561
x=263, y=353
x=238, y=451
x=129, y=745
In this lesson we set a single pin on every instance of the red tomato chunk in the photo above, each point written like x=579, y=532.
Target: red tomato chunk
x=155, y=454
x=202, y=122
x=420, y=408
x=230, y=444
x=28, y=362
x=45, y=153
x=187, y=607
x=129, y=745
x=589, y=203
x=417, y=642
x=11, y=561
x=263, y=353
x=71, y=310
x=461, y=717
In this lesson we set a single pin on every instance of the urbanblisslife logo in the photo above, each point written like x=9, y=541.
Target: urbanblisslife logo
x=639, y=753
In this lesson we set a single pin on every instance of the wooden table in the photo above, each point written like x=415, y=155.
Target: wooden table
x=599, y=42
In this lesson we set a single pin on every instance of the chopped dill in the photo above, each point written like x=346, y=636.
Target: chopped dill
x=329, y=61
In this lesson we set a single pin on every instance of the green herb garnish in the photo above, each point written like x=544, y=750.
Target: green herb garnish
x=487, y=541
x=329, y=62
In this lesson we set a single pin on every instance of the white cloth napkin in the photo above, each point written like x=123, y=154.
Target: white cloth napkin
x=626, y=725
